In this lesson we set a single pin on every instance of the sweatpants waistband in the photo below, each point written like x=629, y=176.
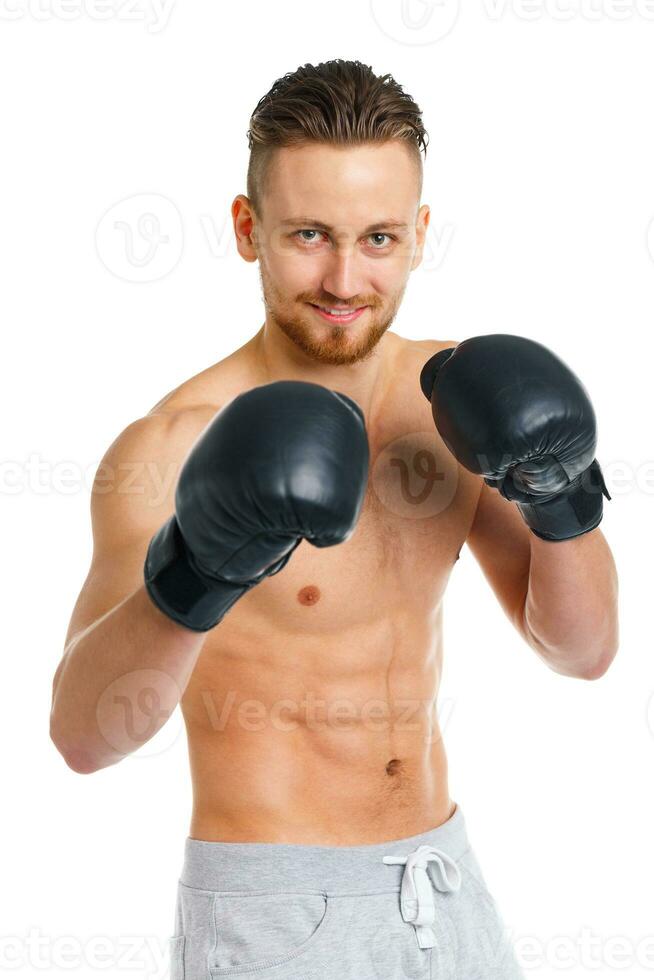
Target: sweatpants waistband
x=226, y=867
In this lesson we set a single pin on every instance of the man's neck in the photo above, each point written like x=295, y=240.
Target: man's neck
x=281, y=359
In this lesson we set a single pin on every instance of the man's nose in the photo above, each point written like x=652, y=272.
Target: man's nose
x=343, y=278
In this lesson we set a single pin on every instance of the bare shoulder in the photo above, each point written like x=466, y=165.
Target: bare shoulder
x=213, y=387
x=135, y=482
x=410, y=359
x=170, y=427
x=421, y=350
x=134, y=485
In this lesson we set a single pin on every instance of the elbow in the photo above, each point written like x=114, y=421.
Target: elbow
x=579, y=667
x=588, y=665
x=77, y=758
x=598, y=667
x=606, y=655
x=81, y=762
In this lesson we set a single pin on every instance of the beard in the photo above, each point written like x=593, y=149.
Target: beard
x=328, y=343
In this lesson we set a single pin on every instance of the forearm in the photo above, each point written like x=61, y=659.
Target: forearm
x=119, y=682
x=571, y=608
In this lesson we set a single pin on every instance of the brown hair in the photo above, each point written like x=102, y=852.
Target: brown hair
x=336, y=102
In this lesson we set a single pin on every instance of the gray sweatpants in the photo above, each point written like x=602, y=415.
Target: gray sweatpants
x=401, y=910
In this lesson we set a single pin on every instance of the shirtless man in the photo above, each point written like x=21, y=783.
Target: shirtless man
x=323, y=839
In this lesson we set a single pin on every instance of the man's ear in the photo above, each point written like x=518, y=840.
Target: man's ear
x=243, y=219
x=422, y=223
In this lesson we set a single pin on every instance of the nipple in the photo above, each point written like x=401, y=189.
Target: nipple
x=309, y=595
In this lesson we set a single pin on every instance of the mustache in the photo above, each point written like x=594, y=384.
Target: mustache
x=334, y=304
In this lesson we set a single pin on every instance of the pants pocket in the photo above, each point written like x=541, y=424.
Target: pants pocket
x=256, y=932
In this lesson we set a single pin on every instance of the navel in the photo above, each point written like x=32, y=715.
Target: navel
x=309, y=595
x=393, y=767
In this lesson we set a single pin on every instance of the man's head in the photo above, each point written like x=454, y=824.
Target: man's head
x=333, y=208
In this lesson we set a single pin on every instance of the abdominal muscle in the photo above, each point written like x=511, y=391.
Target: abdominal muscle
x=329, y=739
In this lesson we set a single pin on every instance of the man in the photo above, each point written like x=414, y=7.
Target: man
x=287, y=587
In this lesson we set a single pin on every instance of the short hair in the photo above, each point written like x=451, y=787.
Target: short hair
x=339, y=103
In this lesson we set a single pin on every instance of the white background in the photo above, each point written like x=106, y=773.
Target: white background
x=539, y=175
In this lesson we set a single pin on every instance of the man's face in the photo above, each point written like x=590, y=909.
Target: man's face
x=340, y=230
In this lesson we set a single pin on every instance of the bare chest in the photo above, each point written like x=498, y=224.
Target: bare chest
x=417, y=511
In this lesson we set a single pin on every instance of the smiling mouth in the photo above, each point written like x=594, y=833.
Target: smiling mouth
x=336, y=314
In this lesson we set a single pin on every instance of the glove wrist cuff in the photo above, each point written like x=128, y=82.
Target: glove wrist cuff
x=179, y=590
x=571, y=513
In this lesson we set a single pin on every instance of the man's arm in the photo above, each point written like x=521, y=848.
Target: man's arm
x=125, y=664
x=561, y=596
x=281, y=463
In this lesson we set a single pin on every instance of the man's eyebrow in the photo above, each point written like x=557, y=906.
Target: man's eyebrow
x=308, y=222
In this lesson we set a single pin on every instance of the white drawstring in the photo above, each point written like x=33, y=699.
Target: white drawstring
x=416, y=892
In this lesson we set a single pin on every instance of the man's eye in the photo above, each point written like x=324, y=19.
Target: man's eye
x=380, y=234
x=308, y=231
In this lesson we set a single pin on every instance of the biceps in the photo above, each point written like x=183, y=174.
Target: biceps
x=123, y=525
x=111, y=579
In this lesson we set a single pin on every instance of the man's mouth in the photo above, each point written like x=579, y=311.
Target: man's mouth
x=339, y=314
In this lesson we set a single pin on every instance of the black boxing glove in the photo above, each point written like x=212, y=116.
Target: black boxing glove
x=509, y=409
x=283, y=462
